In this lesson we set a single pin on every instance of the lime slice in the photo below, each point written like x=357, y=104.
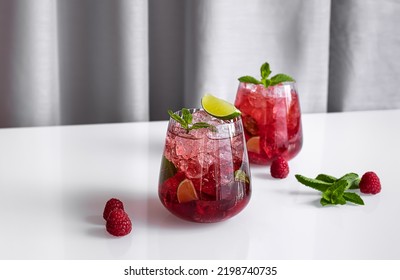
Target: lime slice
x=219, y=108
x=186, y=191
x=253, y=145
x=241, y=176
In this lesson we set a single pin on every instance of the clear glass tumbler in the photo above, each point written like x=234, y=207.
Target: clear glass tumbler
x=205, y=174
x=271, y=119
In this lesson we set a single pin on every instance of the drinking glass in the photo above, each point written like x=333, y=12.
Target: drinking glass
x=271, y=119
x=205, y=175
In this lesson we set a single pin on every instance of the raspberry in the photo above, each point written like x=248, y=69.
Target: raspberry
x=111, y=205
x=118, y=223
x=370, y=183
x=279, y=168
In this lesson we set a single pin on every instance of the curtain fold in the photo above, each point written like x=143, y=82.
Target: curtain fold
x=364, y=55
x=28, y=63
x=98, y=61
x=104, y=60
x=227, y=39
x=73, y=62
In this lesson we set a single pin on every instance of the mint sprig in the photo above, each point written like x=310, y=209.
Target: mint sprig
x=265, y=80
x=334, y=191
x=186, y=121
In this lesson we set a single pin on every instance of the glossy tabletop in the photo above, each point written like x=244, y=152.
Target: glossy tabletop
x=54, y=182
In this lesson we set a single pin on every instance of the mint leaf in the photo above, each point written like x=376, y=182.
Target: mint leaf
x=280, y=78
x=266, y=83
x=338, y=189
x=203, y=125
x=334, y=191
x=249, y=79
x=186, y=121
x=178, y=118
x=326, y=178
x=327, y=195
x=313, y=183
x=324, y=202
x=187, y=116
x=355, y=184
x=353, y=180
x=353, y=197
x=265, y=71
x=349, y=177
x=168, y=169
x=340, y=200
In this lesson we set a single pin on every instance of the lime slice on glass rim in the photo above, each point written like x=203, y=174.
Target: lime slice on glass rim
x=219, y=108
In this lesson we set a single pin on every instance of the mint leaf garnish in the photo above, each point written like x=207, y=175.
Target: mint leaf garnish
x=266, y=83
x=280, y=78
x=186, y=121
x=178, y=118
x=265, y=73
x=334, y=191
x=187, y=116
x=203, y=125
x=250, y=80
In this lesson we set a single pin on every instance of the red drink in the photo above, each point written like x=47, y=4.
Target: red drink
x=271, y=119
x=205, y=174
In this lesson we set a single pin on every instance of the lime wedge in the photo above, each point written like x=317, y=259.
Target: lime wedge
x=219, y=108
x=253, y=145
x=241, y=176
x=186, y=191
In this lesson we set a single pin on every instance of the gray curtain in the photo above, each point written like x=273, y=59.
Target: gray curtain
x=100, y=61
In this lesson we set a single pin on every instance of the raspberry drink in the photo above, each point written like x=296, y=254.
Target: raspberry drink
x=271, y=119
x=204, y=174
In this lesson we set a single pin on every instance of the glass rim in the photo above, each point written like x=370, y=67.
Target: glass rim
x=280, y=84
x=195, y=109
x=225, y=129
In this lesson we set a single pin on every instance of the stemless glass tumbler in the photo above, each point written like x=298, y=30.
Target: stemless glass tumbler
x=205, y=174
x=271, y=119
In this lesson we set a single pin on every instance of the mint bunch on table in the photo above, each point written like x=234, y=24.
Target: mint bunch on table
x=265, y=80
x=335, y=191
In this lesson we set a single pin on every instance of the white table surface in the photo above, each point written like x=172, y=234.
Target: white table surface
x=54, y=182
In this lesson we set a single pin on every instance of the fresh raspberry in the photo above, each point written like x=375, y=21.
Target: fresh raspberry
x=118, y=223
x=111, y=205
x=370, y=183
x=279, y=168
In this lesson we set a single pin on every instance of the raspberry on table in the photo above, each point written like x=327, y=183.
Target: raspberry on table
x=118, y=223
x=370, y=183
x=279, y=168
x=111, y=205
